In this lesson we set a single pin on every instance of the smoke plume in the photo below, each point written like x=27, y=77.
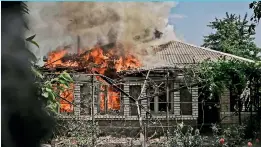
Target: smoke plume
x=24, y=122
x=58, y=23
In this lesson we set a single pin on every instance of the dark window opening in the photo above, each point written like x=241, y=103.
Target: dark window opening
x=208, y=113
x=233, y=100
x=185, y=101
x=163, y=103
x=134, y=92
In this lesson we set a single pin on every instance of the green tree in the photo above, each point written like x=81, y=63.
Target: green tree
x=234, y=75
x=256, y=7
x=231, y=35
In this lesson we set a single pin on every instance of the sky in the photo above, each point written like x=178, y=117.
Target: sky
x=190, y=19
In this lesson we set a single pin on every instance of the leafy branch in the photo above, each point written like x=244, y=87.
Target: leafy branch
x=51, y=89
x=226, y=74
x=30, y=39
x=255, y=18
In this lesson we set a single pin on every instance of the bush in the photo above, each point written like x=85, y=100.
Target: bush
x=233, y=135
x=185, y=137
x=252, y=127
x=76, y=132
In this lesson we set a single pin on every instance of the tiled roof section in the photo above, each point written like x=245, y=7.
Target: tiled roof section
x=181, y=53
x=175, y=53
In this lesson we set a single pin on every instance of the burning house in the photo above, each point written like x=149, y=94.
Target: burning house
x=117, y=88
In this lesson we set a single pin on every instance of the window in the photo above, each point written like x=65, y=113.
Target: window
x=158, y=104
x=134, y=92
x=86, y=99
x=110, y=100
x=68, y=96
x=163, y=103
x=185, y=101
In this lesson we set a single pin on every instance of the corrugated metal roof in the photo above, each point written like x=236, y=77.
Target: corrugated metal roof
x=180, y=54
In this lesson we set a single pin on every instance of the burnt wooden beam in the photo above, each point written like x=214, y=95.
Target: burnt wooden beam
x=71, y=56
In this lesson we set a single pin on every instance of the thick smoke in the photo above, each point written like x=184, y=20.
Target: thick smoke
x=23, y=121
x=59, y=23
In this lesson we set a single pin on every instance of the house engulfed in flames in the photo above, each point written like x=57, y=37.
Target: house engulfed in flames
x=128, y=74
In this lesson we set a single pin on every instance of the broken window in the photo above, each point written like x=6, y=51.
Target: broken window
x=135, y=91
x=185, y=101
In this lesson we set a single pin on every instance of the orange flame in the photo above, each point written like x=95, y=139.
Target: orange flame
x=95, y=60
x=113, y=99
x=54, y=59
x=68, y=94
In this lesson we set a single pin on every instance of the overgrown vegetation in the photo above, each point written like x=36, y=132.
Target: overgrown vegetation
x=51, y=89
x=185, y=136
x=75, y=132
x=235, y=36
x=224, y=73
x=238, y=77
x=231, y=136
x=232, y=36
